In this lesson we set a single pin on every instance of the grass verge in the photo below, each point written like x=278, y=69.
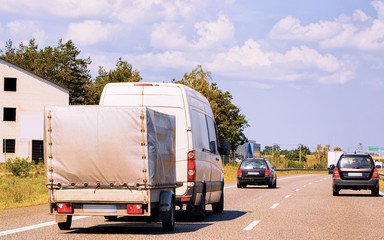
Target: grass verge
x=22, y=191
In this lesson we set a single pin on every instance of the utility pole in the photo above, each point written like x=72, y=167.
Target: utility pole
x=300, y=153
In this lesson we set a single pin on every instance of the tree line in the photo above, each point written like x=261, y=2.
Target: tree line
x=63, y=65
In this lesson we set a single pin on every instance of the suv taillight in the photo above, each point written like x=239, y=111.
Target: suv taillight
x=267, y=172
x=239, y=172
x=336, y=173
x=375, y=174
x=191, y=171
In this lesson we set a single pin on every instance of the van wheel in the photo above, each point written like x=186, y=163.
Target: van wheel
x=67, y=224
x=170, y=225
x=201, y=216
x=218, y=207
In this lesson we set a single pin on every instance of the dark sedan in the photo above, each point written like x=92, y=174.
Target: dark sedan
x=256, y=171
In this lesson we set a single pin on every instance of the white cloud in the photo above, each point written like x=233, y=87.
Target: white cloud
x=297, y=64
x=89, y=32
x=358, y=31
x=210, y=35
x=59, y=8
x=26, y=30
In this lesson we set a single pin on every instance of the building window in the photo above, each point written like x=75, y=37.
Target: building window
x=37, y=150
x=9, y=114
x=9, y=145
x=10, y=84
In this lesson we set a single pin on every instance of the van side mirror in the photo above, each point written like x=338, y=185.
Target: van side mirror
x=225, y=148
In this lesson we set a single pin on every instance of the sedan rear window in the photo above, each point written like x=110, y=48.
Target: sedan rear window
x=356, y=162
x=253, y=164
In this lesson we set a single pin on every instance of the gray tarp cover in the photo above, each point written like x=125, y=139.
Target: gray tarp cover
x=103, y=145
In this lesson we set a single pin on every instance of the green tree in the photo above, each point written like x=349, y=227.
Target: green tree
x=230, y=122
x=321, y=155
x=60, y=64
x=122, y=73
x=337, y=149
x=300, y=152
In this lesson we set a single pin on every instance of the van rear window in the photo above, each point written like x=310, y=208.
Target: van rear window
x=356, y=162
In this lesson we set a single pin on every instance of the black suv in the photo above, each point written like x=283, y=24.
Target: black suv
x=256, y=171
x=356, y=172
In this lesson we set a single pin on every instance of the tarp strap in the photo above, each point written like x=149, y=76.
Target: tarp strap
x=142, y=117
x=50, y=154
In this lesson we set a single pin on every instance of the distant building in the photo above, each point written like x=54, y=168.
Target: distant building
x=23, y=96
x=249, y=149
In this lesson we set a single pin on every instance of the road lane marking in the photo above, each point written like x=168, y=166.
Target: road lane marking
x=27, y=228
x=252, y=225
x=297, y=190
x=289, y=195
x=304, y=185
x=230, y=186
x=310, y=183
x=275, y=205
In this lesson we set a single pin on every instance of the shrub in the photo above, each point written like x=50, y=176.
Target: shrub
x=317, y=166
x=295, y=164
x=18, y=167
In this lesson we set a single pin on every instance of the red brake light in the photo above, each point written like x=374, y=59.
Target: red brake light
x=336, y=173
x=239, y=172
x=375, y=174
x=64, y=208
x=267, y=172
x=191, y=171
x=143, y=84
x=185, y=199
x=134, y=209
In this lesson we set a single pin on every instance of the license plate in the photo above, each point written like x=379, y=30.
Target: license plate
x=253, y=173
x=351, y=174
x=99, y=208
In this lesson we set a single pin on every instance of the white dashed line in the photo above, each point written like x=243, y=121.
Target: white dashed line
x=275, y=205
x=252, y=225
x=288, y=196
x=310, y=183
x=297, y=190
x=304, y=185
x=23, y=229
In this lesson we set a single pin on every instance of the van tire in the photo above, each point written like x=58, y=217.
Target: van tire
x=170, y=225
x=218, y=207
x=201, y=216
x=65, y=225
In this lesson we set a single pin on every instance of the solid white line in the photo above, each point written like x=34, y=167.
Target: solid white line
x=27, y=228
x=230, y=186
x=382, y=194
x=275, y=205
x=297, y=190
x=289, y=195
x=252, y=225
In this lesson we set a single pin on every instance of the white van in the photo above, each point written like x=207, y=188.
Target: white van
x=199, y=172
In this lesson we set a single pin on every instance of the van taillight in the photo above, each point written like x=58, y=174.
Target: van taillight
x=375, y=174
x=336, y=173
x=191, y=172
x=239, y=172
x=143, y=84
x=267, y=172
x=64, y=208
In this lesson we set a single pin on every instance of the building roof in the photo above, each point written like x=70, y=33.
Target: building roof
x=37, y=75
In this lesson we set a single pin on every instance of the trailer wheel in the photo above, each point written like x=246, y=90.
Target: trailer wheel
x=170, y=225
x=67, y=224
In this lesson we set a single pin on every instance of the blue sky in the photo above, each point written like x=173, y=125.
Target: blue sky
x=302, y=72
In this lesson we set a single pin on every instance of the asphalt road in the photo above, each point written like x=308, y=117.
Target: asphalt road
x=301, y=207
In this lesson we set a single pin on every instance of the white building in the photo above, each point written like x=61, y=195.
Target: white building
x=23, y=95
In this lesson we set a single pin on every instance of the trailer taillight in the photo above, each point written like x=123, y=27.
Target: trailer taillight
x=143, y=84
x=191, y=171
x=134, y=209
x=64, y=208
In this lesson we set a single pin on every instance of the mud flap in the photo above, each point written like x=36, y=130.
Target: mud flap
x=61, y=218
x=165, y=206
